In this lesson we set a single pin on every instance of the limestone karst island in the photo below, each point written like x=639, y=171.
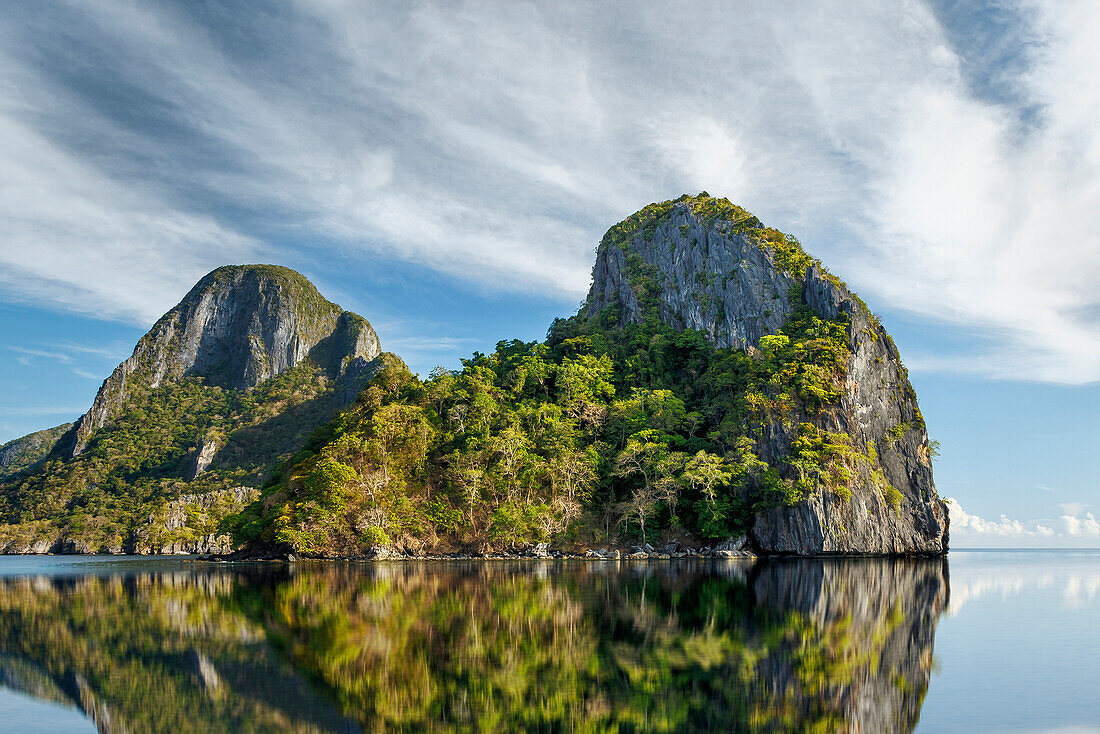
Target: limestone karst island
x=719, y=392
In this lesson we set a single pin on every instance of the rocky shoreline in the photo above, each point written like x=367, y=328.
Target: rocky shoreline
x=208, y=544
x=218, y=549
x=729, y=548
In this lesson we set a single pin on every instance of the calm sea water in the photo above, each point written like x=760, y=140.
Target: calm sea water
x=985, y=642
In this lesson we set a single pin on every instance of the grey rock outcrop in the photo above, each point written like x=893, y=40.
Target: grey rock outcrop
x=41, y=546
x=73, y=546
x=239, y=325
x=204, y=454
x=725, y=276
x=734, y=548
x=715, y=277
x=879, y=406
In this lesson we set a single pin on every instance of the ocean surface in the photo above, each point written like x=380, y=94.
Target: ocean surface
x=986, y=641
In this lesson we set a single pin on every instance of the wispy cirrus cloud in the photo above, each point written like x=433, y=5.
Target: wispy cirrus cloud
x=26, y=355
x=80, y=359
x=495, y=141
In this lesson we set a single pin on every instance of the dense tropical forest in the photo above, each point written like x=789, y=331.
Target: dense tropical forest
x=606, y=431
x=625, y=426
x=142, y=460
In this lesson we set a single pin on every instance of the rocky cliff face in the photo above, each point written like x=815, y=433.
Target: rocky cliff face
x=240, y=325
x=170, y=530
x=708, y=265
x=218, y=394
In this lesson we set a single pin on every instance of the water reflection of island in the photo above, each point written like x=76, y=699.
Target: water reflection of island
x=837, y=645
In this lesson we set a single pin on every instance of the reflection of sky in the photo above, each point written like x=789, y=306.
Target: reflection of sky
x=1075, y=587
x=30, y=716
x=1018, y=650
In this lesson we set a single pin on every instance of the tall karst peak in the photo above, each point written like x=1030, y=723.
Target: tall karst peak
x=703, y=263
x=219, y=393
x=718, y=385
x=238, y=326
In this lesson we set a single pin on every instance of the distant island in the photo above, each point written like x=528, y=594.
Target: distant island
x=718, y=392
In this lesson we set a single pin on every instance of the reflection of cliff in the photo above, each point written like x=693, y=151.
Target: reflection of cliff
x=873, y=623
x=794, y=646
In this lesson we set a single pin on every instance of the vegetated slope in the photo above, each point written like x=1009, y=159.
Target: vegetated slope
x=223, y=387
x=717, y=381
x=21, y=454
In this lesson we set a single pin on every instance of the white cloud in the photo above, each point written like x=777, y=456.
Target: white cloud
x=1082, y=526
x=1077, y=528
x=87, y=375
x=967, y=526
x=1073, y=508
x=496, y=141
x=74, y=238
x=26, y=355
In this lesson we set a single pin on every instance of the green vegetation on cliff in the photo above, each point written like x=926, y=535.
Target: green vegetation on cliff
x=144, y=457
x=604, y=432
x=24, y=453
x=222, y=389
x=624, y=425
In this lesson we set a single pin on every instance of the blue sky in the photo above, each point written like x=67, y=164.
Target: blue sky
x=447, y=168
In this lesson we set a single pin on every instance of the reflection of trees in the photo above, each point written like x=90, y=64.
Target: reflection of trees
x=798, y=646
x=152, y=653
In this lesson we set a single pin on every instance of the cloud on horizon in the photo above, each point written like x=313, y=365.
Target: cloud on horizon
x=1075, y=528
x=495, y=141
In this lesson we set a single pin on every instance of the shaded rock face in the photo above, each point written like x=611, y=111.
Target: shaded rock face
x=240, y=325
x=722, y=278
x=878, y=401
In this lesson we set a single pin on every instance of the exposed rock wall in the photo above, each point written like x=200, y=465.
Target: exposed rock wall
x=724, y=277
x=714, y=277
x=170, y=530
x=879, y=401
x=240, y=325
x=204, y=454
